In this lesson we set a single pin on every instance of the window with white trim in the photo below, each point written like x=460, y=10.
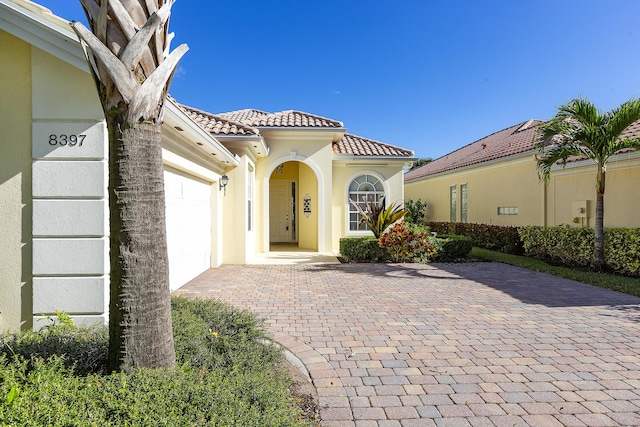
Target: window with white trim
x=363, y=190
x=250, y=178
x=463, y=202
x=453, y=203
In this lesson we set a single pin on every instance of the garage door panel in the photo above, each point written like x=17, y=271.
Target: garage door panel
x=188, y=213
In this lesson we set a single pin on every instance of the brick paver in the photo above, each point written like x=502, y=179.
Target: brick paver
x=481, y=344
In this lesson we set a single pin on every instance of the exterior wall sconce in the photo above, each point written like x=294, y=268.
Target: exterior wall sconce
x=224, y=180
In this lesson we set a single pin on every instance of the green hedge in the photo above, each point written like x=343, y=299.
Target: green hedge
x=363, y=249
x=449, y=248
x=495, y=237
x=574, y=246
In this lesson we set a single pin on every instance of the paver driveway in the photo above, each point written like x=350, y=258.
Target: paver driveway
x=478, y=344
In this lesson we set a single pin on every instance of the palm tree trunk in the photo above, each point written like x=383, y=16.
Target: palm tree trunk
x=598, y=262
x=139, y=309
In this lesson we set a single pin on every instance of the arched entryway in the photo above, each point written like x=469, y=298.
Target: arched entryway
x=294, y=214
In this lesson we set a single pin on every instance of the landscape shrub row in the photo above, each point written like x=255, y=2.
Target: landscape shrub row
x=495, y=237
x=400, y=243
x=573, y=246
x=228, y=374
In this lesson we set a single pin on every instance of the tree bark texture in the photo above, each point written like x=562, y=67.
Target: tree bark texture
x=139, y=308
x=598, y=262
x=129, y=56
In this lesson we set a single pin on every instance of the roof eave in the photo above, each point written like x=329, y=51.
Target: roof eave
x=475, y=165
x=346, y=158
x=248, y=141
x=56, y=38
x=337, y=132
x=176, y=117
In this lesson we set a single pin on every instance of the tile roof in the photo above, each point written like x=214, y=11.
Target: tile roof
x=516, y=139
x=217, y=124
x=289, y=118
x=359, y=146
x=246, y=122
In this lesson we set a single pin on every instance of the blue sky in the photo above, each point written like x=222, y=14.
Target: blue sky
x=430, y=76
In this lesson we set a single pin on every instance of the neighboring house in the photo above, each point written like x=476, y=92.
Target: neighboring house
x=494, y=181
x=290, y=175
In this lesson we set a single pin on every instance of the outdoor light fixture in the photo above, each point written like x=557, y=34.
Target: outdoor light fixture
x=224, y=180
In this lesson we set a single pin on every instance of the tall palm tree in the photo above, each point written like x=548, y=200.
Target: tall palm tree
x=580, y=129
x=128, y=54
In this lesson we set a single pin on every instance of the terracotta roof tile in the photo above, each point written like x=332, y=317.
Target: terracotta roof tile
x=216, y=124
x=288, y=118
x=245, y=122
x=507, y=142
x=359, y=146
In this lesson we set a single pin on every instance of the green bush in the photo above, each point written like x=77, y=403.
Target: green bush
x=84, y=349
x=452, y=247
x=622, y=250
x=416, y=211
x=495, y=237
x=227, y=376
x=362, y=249
x=573, y=246
x=404, y=245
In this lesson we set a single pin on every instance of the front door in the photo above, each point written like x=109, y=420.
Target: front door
x=282, y=220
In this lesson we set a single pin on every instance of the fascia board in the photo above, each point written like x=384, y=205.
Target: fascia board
x=58, y=40
x=176, y=117
x=475, y=166
x=246, y=140
x=588, y=162
x=298, y=131
x=369, y=159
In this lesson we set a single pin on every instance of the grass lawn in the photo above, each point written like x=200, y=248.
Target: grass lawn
x=627, y=285
x=227, y=375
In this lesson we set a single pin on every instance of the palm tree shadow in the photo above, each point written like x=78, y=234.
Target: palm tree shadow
x=529, y=287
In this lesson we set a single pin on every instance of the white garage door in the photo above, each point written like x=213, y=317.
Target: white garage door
x=188, y=218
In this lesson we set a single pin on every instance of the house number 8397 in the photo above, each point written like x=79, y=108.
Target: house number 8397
x=64, y=139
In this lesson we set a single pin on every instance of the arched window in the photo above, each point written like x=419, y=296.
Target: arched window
x=363, y=190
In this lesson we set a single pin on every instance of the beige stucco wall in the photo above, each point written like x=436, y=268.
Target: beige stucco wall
x=238, y=240
x=622, y=193
x=15, y=183
x=515, y=183
x=344, y=172
x=307, y=224
x=512, y=183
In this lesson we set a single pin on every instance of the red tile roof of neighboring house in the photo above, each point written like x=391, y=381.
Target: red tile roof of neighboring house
x=507, y=142
x=359, y=146
x=246, y=122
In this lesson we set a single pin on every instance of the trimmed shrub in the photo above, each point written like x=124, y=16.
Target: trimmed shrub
x=622, y=250
x=362, y=249
x=449, y=248
x=495, y=237
x=573, y=246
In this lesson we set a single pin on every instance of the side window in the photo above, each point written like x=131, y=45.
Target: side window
x=250, y=179
x=453, y=203
x=362, y=190
x=463, y=202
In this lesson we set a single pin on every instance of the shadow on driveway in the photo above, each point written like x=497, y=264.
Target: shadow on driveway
x=527, y=286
